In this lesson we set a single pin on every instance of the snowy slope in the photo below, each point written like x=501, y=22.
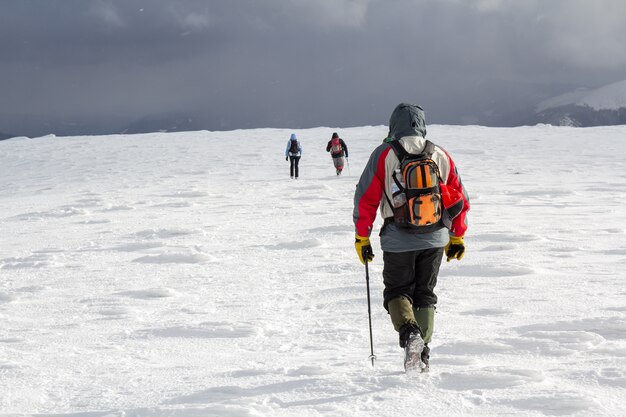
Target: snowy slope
x=172, y=275
x=609, y=97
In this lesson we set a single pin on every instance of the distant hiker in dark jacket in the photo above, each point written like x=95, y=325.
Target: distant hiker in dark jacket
x=424, y=204
x=293, y=152
x=337, y=148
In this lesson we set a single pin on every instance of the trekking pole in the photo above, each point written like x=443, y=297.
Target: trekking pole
x=348, y=162
x=369, y=305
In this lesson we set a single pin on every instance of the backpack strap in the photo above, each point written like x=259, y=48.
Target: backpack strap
x=429, y=149
x=399, y=150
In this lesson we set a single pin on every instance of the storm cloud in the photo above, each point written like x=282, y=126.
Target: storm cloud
x=76, y=66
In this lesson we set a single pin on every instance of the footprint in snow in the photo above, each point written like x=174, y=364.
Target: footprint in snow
x=121, y=207
x=138, y=246
x=313, y=198
x=6, y=298
x=490, y=271
x=246, y=373
x=35, y=261
x=615, y=377
x=31, y=289
x=456, y=361
x=575, y=340
x=618, y=252
x=11, y=340
x=565, y=252
x=52, y=214
x=310, y=370
x=505, y=237
x=230, y=393
x=613, y=230
x=303, y=244
x=175, y=258
x=555, y=404
x=207, y=330
x=533, y=346
x=610, y=328
x=498, y=248
x=334, y=230
x=488, y=378
x=488, y=312
x=473, y=348
x=193, y=172
x=116, y=312
x=543, y=193
x=187, y=194
x=344, y=267
x=112, y=308
x=162, y=233
x=88, y=202
x=102, y=221
x=149, y=293
x=175, y=204
x=345, y=291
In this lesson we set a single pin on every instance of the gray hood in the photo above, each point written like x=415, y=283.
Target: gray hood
x=407, y=120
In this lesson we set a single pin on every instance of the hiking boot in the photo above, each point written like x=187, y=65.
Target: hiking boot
x=413, y=353
x=411, y=341
x=406, y=331
x=426, y=358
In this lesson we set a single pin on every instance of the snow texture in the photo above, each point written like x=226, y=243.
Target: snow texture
x=609, y=97
x=186, y=275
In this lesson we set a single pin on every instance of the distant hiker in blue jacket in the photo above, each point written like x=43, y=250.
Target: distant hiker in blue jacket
x=293, y=152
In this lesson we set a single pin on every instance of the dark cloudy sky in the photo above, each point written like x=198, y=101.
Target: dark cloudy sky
x=73, y=66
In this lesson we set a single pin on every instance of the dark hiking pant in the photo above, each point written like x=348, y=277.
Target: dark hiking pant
x=412, y=275
x=293, y=165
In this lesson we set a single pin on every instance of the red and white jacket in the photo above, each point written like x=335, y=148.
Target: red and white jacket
x=376, y=181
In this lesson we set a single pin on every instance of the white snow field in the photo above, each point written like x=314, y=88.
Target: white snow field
x=185, y=274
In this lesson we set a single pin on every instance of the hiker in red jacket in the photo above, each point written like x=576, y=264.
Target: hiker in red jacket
x=424, y=206
x=337, y=148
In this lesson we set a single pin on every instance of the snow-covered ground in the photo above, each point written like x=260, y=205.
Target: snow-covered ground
x=186, y=275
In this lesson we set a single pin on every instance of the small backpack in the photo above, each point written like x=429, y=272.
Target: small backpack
x=293, y=148
x=335, y=146
x=416, y=190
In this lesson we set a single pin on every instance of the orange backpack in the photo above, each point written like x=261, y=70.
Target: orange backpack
x=416, y=190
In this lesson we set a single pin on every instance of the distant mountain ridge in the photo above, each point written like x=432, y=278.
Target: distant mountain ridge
x=4, y=136
x=581, y=107
x=175, y=122
x=584, y=108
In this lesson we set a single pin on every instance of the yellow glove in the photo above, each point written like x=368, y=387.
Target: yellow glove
x=455, y=249
x=363, y=249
